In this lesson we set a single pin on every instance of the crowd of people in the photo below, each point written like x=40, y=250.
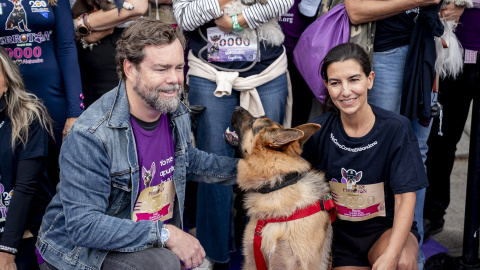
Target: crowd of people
x=99, y=152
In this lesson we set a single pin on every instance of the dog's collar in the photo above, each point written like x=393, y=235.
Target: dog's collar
x=288, y=179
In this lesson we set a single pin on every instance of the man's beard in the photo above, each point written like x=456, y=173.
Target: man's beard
x=152, y=97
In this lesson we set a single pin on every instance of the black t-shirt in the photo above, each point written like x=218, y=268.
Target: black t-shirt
x=388, y=154
x=25, y=191
x=394, y=31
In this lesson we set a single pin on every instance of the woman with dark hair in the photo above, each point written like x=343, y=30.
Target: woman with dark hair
x=25, y=190
x=372, y=161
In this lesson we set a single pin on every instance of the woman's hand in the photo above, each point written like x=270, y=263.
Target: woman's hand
x=224, y=23
x=451, y=12
x=7, y=261
x=387, y=261
x=68, y=125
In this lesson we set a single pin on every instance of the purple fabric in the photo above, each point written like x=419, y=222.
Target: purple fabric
x=293, y=24
x=155, y=153
x=323, y=34
x=468, y=30
x=40, y=259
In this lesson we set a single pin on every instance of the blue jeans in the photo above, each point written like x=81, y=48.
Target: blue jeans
x=215, y=229
x=387, y=94
x=150, y=258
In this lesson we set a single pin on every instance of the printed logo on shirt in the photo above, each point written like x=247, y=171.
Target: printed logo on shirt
x=4, y=203
x=288, y=18
x=39, y=6
x=26, y=52
x=17, y=19
x=350, y=177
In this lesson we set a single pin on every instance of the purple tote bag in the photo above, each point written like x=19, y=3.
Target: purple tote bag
x=324, y=33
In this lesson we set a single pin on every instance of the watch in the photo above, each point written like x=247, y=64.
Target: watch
x=237, y=29
x=164, y=235
x=82, y=29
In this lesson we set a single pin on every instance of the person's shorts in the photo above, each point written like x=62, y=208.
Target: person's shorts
x=351, y=249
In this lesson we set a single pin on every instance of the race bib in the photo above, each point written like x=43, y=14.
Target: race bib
x=155, y=203
x=360, y=202
x=228, y=47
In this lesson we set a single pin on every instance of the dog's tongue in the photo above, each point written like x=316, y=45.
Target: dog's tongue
x=231, y=137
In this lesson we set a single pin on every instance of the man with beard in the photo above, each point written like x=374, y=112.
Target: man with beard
x=124, y=165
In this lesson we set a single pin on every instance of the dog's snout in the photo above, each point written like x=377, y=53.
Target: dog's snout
x=238, y=108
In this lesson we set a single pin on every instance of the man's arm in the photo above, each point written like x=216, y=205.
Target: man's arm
x=210, y=168
x=362, y=11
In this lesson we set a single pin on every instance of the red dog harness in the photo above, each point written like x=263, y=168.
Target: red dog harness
x=326, y=204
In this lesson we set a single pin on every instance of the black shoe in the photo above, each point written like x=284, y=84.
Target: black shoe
x=431, y=228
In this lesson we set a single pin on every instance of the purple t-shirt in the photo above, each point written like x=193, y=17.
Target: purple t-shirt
x=293, y=24
x=155, y=150
x=468, y=30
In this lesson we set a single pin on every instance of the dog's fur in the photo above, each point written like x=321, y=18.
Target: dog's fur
x=449, y=60
x=269, y=32
x=83, y=6
x=268, y=152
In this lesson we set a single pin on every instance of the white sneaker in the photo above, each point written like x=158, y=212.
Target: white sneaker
x=205, y=265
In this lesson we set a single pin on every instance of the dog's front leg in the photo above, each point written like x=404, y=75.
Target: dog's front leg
x=283, y=257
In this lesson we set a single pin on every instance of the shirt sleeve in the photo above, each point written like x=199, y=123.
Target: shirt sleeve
x=66, y=53
x=258, y=14
x=30, y=166
x=193, y=14
x=407, y=173
x=27, y=178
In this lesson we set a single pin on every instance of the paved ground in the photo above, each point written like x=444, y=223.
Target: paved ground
x=452, y=235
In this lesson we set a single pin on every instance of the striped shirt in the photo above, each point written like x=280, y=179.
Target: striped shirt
x=470, y=55
x=199, y=12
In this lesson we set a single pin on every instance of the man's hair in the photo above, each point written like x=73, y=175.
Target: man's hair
x=141, y=33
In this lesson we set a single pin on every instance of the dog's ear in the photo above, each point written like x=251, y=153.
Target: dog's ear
x=308, y=131
x=281, y=137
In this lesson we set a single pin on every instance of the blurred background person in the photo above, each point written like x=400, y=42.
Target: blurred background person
x=25, y=128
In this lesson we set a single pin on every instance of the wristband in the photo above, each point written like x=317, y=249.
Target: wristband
x=237, y=29
x=9, y=250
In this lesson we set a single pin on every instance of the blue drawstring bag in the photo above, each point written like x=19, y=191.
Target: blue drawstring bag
x=326, y=32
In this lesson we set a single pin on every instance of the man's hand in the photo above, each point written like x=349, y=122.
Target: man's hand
x=224, y=23
x=7, y=261
x=451, y=12
x=186, y=247
x=68, y=125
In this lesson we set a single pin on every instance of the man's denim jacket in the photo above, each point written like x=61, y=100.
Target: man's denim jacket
x=91, y=212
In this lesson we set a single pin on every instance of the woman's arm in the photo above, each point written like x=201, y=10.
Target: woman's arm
x=66, y=54
x=193, y=14
x=362, y=11
x=402, y=223
x=103, y=20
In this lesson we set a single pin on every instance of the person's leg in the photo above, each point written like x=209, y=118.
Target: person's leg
x=214, y=202
x=274, y=96
x=421, y=133
x=455, y=97
x=151, y=258
x=408, y=256
x=388, y=66
x=302, y=95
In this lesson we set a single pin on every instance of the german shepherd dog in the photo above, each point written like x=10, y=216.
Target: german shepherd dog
x=278, y=183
